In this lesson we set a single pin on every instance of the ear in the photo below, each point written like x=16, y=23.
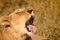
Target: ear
x=5, y=21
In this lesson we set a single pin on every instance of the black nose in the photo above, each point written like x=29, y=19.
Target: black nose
x=29, y=11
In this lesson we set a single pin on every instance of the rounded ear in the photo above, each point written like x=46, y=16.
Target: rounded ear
x=5, y=21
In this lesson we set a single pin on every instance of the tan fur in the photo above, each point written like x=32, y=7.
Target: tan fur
x=16, y=20
x=16, y=25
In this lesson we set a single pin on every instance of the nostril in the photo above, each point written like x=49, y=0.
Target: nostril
x=30, y=11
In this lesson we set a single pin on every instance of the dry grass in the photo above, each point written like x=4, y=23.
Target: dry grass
x=47, y=13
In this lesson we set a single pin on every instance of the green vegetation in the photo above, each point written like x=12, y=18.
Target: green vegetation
x=47, y=13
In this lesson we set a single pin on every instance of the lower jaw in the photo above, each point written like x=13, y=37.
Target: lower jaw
x=26, y=37
x=30, y=33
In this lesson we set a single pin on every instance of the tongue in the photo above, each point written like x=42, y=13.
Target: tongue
x=32, y=28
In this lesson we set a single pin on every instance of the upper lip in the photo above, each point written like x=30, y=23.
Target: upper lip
x=29, y=22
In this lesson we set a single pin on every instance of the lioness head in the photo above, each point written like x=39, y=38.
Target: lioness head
x=21, y=21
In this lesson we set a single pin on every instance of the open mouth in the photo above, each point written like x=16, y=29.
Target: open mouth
x=30, y=26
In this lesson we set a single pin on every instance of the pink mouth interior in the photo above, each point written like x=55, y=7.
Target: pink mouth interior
x=32, y=28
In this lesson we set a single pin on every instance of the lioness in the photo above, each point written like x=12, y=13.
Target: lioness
x=17, y=25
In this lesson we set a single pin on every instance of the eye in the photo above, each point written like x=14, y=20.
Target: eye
x=29, y=11
x=5, y=20
x=7, y=26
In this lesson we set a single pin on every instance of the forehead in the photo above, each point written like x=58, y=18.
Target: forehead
x=21, y=11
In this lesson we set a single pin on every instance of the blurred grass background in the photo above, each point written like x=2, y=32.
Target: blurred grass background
x=47, y=15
